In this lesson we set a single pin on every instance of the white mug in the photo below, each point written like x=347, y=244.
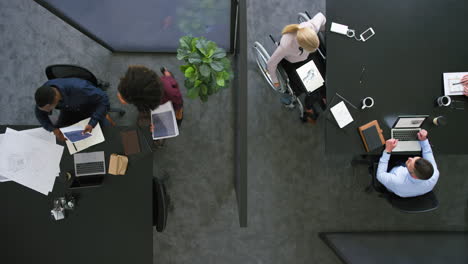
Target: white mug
x=367, y=102
x=444, y=100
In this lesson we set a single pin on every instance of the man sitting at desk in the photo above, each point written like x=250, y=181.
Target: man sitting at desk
x=416, y=177
x=77, y=99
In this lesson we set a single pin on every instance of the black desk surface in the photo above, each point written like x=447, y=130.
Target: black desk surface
x=111, y=223
x=414, y=43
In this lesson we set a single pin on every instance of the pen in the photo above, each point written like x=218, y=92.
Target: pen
x=459, y=83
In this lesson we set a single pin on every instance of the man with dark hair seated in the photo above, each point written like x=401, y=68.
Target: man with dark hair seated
x=418, y=176
x=76, y=98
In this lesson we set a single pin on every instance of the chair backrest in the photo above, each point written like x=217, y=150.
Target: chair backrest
x=70, y=71
x=160, y=205
x=419, y=204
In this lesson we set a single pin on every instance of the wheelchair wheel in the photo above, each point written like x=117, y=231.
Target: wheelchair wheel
x=262, y=57
x=302, y=17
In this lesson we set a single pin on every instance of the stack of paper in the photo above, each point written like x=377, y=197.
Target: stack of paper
x=77, y=142
x=310, y=76
x=30, y=158
x=452, y=85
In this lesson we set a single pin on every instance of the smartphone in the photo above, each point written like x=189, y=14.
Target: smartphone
x=367, y=34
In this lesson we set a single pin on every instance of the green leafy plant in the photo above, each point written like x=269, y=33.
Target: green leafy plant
x=207, y=69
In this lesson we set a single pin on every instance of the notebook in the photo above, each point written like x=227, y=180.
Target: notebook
x=371, y=135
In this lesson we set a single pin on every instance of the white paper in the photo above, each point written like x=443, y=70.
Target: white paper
x=450, y=78
x=341, y=114
x=29, y=161
x=40, y=133
x=3, y=179
x=43, y=134
x=96, y=138
x=164, y=121
x=310, y=76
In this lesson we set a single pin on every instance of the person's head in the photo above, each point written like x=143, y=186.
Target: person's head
x=47, y=98
x=306, y=36
x=141, y=87
x=420, y=168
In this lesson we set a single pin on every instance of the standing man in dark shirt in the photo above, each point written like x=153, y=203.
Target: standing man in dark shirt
x=77, y=99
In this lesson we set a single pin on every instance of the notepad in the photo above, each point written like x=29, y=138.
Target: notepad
x=310, y=76
x=452, y=84
x=341, y=114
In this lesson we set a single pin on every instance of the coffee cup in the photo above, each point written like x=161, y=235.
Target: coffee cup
x=367, y=102
x=444, y=100
x=439, y=121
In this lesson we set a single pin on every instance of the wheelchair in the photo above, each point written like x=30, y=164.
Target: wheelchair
x=262, y=57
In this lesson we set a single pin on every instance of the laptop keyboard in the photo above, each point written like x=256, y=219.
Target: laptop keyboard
x=405, y=135
x=90, y=167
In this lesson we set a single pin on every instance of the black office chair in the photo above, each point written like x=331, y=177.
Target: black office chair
x=160, y=204
x=419, y=204
x=73, y=71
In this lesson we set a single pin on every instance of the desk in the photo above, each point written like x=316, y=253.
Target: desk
x=111, y=223
x=415, y=42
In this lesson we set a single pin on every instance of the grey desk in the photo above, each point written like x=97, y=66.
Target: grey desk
x=415, y=42
x=111, y=224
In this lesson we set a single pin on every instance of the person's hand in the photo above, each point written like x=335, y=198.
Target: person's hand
x=152, y=128
x=390, y=144
x=464, y=81
x=88, y=129
x=276, y=84
x=422, y=135
x=58, y=134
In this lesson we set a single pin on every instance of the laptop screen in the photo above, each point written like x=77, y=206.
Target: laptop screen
x=409, y=122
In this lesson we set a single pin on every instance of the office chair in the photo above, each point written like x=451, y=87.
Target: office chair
x=160, y=204
x=419, y=204
x=72, y=71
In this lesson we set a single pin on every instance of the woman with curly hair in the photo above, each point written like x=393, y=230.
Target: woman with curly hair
x=144, y=89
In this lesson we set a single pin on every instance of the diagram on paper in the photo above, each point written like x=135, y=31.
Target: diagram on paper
x=16, y=163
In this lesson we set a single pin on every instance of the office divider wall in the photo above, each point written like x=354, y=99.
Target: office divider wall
x=240, y=111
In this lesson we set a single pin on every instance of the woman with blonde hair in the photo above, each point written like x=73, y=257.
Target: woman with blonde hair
x=298, y=42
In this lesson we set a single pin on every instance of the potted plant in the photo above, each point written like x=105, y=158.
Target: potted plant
x=207, y=69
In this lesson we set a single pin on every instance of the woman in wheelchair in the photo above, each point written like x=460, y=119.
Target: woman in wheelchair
x=298, y=43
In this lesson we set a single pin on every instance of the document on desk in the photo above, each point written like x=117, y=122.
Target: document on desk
x=341, y=114
x=3, y=179
x=452, y=85
x=40, y=133
x=29, y=161
x=96, y=137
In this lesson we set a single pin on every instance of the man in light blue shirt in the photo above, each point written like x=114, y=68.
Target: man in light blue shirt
x=417, y=177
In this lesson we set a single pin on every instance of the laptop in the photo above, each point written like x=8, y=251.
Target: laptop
x=90, y=167
x=405, y=130
x=89, y=163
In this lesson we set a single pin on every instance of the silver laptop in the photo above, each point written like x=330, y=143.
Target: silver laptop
x=89, y=163
x=405, y=130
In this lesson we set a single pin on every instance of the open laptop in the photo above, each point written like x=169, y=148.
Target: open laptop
x=90, y=167
x=405, y=130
